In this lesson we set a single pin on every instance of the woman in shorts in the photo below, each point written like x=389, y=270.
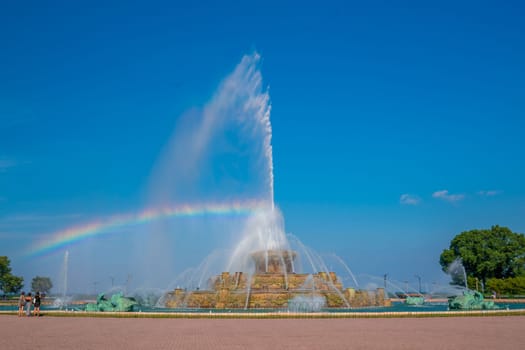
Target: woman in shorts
x=37, y=300
x=21, y=304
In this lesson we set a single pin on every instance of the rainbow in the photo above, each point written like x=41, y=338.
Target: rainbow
x=69, y=236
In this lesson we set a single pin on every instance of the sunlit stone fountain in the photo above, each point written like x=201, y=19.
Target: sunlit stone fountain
x=275, y=285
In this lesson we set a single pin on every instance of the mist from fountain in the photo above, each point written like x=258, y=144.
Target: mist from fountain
x=316, y=263
x=393, y=287
x=409, y=289
x=197, y=278
x=310, y=302
x=264, y=231
x=148, y=297
x=445, y=290
x=457, y=272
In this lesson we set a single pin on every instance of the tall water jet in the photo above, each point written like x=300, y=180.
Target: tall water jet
x=65, y=271
x=63, y=299
x=219, y=152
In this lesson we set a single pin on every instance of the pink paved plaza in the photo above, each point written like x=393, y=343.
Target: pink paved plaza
x=142, y=333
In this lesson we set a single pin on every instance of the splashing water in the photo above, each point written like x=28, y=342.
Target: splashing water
x=264, y=231
x=457, y=272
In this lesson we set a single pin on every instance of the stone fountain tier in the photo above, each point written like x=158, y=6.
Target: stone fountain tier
x=274, y=261
x=273, y=290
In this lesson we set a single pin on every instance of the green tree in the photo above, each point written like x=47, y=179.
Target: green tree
x=9, y=283
x=494, y=253
x=508, y=286
x=41, y=284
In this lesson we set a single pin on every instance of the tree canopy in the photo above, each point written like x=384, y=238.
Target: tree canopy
x=9, y=283
x=494, y=253
x=41, y=284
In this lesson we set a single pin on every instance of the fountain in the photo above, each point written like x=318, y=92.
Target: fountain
x=468, y=299
x=263, y=271
x=274, y=285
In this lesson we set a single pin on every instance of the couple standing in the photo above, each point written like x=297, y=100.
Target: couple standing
x=26, y=301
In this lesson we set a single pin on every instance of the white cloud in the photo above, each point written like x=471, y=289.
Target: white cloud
x=446, y=196
x=489, y=193
x=409, y=199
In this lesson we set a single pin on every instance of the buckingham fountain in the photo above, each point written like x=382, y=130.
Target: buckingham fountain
x=275, y=285
x=262, y=274
x=264, y=271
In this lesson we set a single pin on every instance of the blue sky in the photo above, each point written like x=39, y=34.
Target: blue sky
x=395, y=126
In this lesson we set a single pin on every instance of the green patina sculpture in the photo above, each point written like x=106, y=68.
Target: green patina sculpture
x=118, y=302
x=410, y=300
x=470, y=300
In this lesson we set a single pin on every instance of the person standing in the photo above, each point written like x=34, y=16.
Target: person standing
x=29, y=301
x=21, y=304
x=37, y=304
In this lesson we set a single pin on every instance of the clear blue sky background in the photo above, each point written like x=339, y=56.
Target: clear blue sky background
x=371, y=100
